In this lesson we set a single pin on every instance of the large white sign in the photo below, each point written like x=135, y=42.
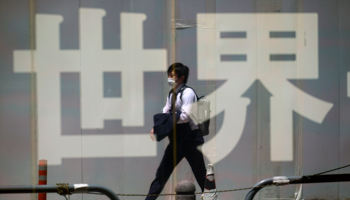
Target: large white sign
x=271, y=48
x=239, y=48
x=91, y=61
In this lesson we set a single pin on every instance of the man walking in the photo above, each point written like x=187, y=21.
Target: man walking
x=188, y=136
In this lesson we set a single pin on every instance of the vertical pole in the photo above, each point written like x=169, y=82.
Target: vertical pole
x=33, y=110
x=299, y=144
x=42, y=177
x=173, y=60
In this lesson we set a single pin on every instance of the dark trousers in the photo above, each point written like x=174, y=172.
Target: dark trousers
x=186, y=148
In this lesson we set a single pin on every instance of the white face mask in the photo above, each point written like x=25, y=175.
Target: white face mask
x=171, y=82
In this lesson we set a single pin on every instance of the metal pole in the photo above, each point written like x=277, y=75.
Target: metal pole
x=103, y=190
x=284, y=180
x=29, y=189
x=73, y=188
x=258, y=186
x=33, y=98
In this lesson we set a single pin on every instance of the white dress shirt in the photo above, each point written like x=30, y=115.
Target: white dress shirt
x=186, y=104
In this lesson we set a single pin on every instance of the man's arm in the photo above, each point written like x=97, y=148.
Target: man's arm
x=167, y=106
x=188, y=105
x=153, y=137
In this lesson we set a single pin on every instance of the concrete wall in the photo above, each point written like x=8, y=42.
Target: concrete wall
x=80, y=82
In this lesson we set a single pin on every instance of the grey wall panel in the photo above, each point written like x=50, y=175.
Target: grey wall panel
x=316, y=146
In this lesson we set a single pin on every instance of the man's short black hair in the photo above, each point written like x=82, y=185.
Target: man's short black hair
x=180, y=70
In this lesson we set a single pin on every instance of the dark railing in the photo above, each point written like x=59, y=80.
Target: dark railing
x=62, y=189
x=68, y=189
x=287, y=180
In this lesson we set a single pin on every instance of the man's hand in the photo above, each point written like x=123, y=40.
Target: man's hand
x=153, y=137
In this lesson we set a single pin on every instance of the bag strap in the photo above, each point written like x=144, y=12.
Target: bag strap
x=190, y=88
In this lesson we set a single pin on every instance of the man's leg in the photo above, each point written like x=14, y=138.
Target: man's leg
x=196, y=161
x=164, y=171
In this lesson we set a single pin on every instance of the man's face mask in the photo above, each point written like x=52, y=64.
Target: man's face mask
x=171, y=82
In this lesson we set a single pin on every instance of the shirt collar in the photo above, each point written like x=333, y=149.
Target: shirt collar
x=179, y=88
